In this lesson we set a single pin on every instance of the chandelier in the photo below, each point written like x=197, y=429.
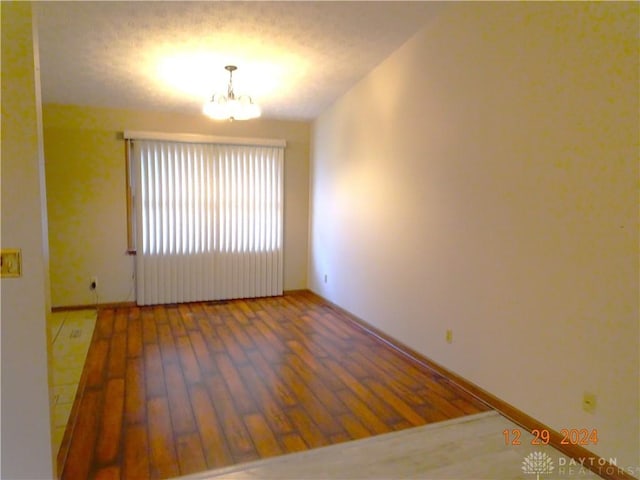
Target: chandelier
x=230, y=107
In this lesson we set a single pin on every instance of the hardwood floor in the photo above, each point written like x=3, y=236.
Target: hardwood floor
x=174, y=390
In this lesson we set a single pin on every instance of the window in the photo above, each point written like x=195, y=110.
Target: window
x=212, y=212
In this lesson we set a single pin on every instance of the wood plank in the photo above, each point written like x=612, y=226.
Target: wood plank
x=293, y=442
x=425, y=376
x=238, y=314
x=469, y=406
x=267, y=350
x=135, y=392
x=310, y=341
x=274, y=383
x=396, y=402
x=80, y=457
x=243, y=401
x=135, y=463
x=160, y=315
x=383, y=367
x=445, y=406
x=104, y=323
x=263, y=437
x=187, y=316
x=392, y=379
x=248, y=312
x=163, y=461
x=214, y=342
x=275, y=416
x=401, y=425
x=337, y=329
x=175, y=320
x=360, y=371
x=149, y=329
x=204, y=357
x=120, y=321
x=117, y=356
x=339, y=437
x=190, y=454
x=330, y=342
x=108, y=473
x=308, y=430
x=190, y=367
x=198, y=311
x=272, y=339
x=382, y=410
x=108, y=444
x=237, y=329
x=213, y=439
x=96, y=362
x=167, y=344
x=179, y=405
x=154, y=372
x=361, y=411
x=213, y=311
x=231, y=345
x=431, y=414
x=238, y=438
x=328, y=378
x=275, y=321
x=134, y=337
x=313, y=383
x=354, y=427
x=290, y=305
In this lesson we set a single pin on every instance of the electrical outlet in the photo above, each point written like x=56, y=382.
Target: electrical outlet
x=325, y=278
x=449, y=336
x=11, y=262
x=93, y=283
x=589, y=402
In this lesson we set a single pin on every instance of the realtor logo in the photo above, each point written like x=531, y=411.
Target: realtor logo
x=537, y=462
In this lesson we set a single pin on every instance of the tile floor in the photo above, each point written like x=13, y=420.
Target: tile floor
x=71, y=333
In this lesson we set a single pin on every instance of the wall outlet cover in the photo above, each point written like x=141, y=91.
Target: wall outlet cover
x=11, y=262
x=449, y=336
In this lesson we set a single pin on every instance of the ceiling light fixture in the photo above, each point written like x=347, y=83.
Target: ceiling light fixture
x=230, y=107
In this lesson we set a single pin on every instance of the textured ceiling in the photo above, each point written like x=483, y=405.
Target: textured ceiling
x=294, y=58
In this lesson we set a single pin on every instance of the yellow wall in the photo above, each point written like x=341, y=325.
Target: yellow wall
x=84, y=154
x=494, y=160
x=25, y=419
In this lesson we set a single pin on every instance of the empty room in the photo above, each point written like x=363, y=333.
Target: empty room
x=320, y=240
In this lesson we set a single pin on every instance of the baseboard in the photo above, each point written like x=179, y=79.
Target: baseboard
x=98, y=306
x=295, y=291
x=589, y=460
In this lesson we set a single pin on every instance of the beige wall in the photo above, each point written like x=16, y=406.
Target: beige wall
x=484, y=179
x=25, y=419
x=84, y=154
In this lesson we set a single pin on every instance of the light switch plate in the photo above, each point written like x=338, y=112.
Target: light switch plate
x=11, y=262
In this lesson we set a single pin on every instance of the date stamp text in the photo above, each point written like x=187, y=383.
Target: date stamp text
x=570, y=436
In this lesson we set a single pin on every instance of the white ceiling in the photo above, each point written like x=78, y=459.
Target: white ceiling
x=293, y=58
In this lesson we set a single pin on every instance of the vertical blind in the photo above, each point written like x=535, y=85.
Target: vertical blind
x=209, y=221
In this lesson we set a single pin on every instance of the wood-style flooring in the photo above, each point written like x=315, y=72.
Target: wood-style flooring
x=178, y=389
